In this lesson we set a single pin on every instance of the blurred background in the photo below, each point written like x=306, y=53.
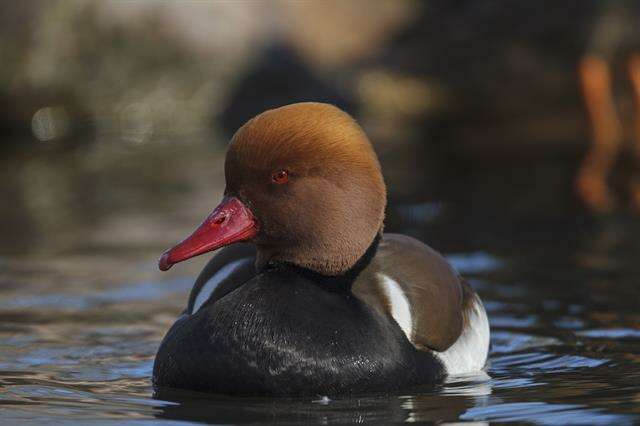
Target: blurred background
x=114, y=115
x=509, y=135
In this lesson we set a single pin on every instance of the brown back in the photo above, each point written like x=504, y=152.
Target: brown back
x=430, y=284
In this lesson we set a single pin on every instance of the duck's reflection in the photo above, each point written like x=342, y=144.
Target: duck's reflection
x=421, y=405
x=462, y=393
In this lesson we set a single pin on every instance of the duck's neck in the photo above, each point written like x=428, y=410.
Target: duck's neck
x=337, y=283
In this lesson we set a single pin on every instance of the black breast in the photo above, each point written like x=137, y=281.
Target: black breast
x=284, y=334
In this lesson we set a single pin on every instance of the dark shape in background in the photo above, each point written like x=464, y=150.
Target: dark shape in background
x=278, y=77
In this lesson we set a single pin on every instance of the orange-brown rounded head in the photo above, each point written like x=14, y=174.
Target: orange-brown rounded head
x=304, y=184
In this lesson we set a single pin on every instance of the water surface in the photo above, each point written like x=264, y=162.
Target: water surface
x=83, y=307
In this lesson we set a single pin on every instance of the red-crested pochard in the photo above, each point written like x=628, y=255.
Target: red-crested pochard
x=318, y=300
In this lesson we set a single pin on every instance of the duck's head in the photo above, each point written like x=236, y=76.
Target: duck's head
x=303, y=184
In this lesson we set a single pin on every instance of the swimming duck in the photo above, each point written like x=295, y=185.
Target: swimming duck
x=309, y=296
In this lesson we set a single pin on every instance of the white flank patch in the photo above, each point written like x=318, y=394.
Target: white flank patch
x=400, y=308
x=469, y=352
x=207, y=289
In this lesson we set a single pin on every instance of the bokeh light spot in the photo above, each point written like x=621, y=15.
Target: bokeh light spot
x=50, y=123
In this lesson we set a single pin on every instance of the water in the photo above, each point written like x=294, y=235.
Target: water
x=83, y=306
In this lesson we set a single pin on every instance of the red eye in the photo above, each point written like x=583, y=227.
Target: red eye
x=280, y=177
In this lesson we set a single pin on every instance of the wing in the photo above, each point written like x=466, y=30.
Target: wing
x=227, y=270
x=417, y=287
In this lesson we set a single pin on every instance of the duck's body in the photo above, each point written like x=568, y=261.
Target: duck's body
x=267, y=320
x=289, y=331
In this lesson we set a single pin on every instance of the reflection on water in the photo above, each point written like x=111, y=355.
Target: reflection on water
x=83, y=308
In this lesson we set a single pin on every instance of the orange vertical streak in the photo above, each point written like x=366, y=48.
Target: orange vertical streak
x=591, y=183
x=634, y=76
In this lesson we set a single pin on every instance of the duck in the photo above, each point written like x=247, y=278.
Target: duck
x=306, y=294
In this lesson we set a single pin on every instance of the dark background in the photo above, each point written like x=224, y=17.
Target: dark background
x=115, y=115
